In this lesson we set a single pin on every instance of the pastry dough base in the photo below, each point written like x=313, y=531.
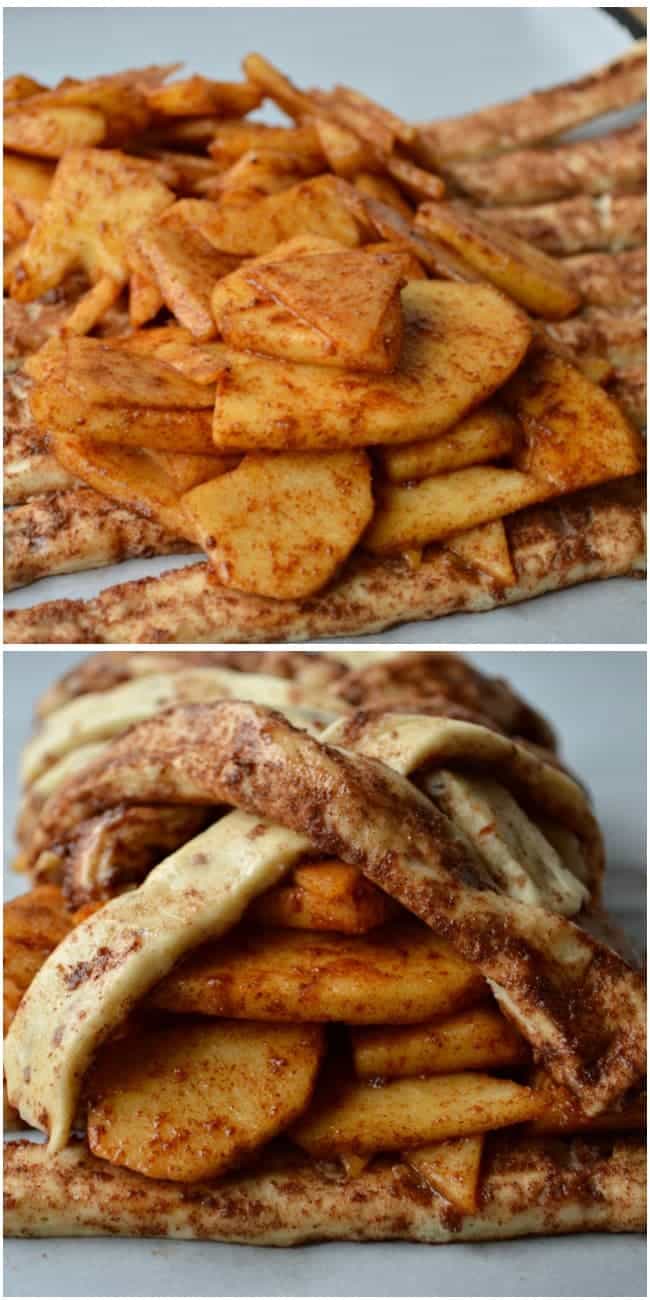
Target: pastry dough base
x=597, y=533
x=528, y=1189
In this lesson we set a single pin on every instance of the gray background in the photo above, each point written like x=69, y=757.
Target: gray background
x=423, y=63
x=597, y=702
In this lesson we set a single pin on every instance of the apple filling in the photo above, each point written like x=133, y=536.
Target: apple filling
x=330, y=1018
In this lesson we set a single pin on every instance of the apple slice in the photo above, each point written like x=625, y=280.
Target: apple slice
x=314, y=206
x=26, y=184
x=199, y=97
x=352, y=298
x=461, y=343
x=233, y=139
x=452, y=1169
x=51, y=130
x=110, y=394
x=574, y=434
x=349, y=1115
x=414, y=269
x=252, y=315
x=324, y=896
x=186, y=472
x=486, y=548
x=433, y=510
x=34, y=924
x=486, y=434
x=260, y=172
x=98, y=198
x=384, y=189
x=128, y=476
x=539, y=282
x=400, y=974
x=278, y=87
x=249, y=319
x=185, y=267
x=560, y=1110
x=346, y=154
x=189, y=1102
x=477, y=1039
x=281, y=525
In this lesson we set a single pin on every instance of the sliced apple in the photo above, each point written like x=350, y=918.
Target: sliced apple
x=539, y=282
x=187, y=1103
x=233, y=139
x=114, y=395
x=105, y=376
x=486, y=548
x=350, y=298
x=461, y=342
x=302, y=314
x=349, y=1115
x=128, y=476
x=250, y=320
x=238, y=290
x=145, y=298
x=419, y=184
x=199, y=96
x=368, y=119
x=185, y=267
x=486, y=434
x=268, y=329
x=278, y=87
x=400, y=974
x=346, y=154
x=477, y=1039
x=26, y=183
x=282, y=525
x=202, y=363
x=414, y=269
x=97, y=200
x=260, y=172
x=384, y=189
x=574, y=434
x=51, y=130
x=452, y=1169
x=433, y=510
x=19, y=87
x=34, y=924
x=312, y=207
x=324, y=896
x=186, y=472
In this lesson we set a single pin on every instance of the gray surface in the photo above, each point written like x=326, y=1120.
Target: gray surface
x=597, y=702
x=423, y=63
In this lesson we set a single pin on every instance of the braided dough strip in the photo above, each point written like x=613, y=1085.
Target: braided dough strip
x=577, y=225
x=103, y=714
x=616, y=161
x=540, y=115
x=598, y=533
x=331, y=681
x=76, y=530
x=528, y=1189
x=576, y=1001
x=104, y=670
x=105, y=965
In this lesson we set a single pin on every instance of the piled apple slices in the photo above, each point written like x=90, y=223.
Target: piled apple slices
x=337, y=342
x=314, y=951
x=222, y=992
x=328, y=354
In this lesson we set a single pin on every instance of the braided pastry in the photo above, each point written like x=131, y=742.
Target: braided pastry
x=458, y=870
